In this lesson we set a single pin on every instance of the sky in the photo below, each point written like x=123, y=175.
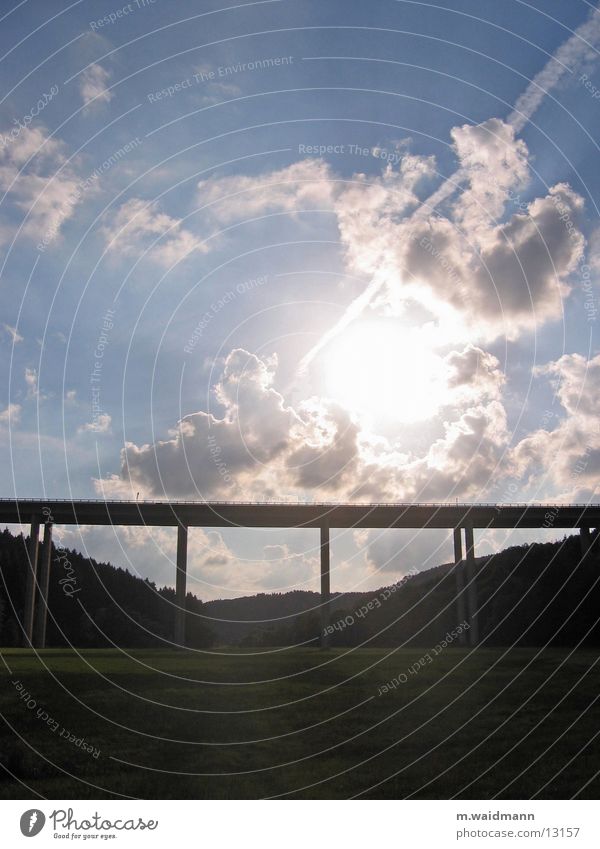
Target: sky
x=294, y=250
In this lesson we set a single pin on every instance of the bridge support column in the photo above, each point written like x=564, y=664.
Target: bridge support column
x=32, y=556
x=41, y=608
x=325, y=586
x=585, y=540
x=459, y=571
x=471, y=587
x=180, y=584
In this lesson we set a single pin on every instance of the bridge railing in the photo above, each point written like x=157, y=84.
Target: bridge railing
x=219, y=503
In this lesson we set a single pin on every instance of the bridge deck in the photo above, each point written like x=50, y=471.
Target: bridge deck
x=298, y=515
x=184, y=514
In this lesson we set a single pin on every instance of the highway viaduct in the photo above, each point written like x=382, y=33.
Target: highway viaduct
x=462, y=519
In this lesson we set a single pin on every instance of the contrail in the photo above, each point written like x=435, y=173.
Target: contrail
x=352, y=312
x=575, y=49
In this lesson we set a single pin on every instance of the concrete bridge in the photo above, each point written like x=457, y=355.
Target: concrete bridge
x=463, y=519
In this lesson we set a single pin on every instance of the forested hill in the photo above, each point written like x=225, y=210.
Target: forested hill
x=529, y=595
x=93, y=604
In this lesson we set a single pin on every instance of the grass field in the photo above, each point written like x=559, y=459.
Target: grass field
x=300, y=723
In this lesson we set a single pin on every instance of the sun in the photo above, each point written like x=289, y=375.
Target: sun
x=383, y=371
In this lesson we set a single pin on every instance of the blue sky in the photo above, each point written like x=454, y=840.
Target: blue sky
x=299, y=250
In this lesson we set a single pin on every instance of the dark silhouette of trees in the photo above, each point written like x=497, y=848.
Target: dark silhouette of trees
x=528, y=595
x=94, y=604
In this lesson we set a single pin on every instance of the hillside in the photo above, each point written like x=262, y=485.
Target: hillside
x=530, y=595
x=99, y=606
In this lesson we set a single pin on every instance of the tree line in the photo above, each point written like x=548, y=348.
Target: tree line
x=529, y=595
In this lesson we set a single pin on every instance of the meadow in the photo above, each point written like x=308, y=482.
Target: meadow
x=300, y=723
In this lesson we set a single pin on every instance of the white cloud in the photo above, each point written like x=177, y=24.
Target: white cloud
x=479, y=273
x=594, y=254
x=204, y=454
x=13, y=333
x=262, y=447
x=31, y=381
x=474, y=374
x=214, y=568
x=305, y=184
x=574, y=379
x=139, y=226
x=488, y=151
x=11, y=416
x=493, y=162
x=93, y=86
x=496, y=279
x=566, y=458
x=101, y=424
x=41, y=184
x=403, y=551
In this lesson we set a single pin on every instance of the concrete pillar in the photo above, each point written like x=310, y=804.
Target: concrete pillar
x=585, y=540
x=459, y=571
x=471, y=587
x=325, y=586
x=41, y=609
x=30, y=585
x=180, y=584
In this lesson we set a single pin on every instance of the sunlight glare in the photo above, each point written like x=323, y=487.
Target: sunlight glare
x=383, y=371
